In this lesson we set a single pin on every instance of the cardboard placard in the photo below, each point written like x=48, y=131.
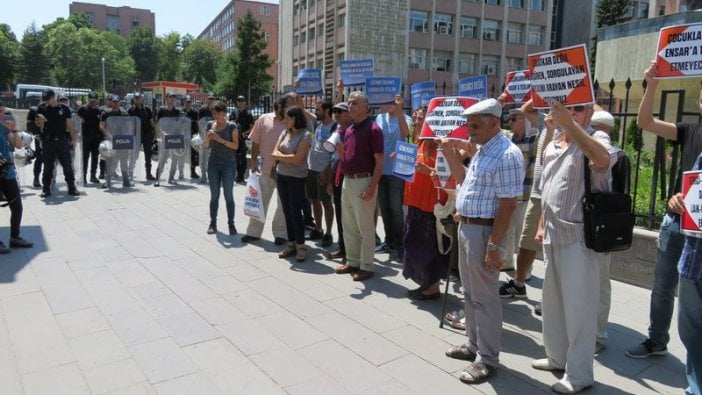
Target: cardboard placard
x=309, y=82
x=691, y=221
x=382, y=90
x=422, y=93
x=679, y=51
x=445, y=118
x=355, y=72
x=405, y=158
x=517, y=87
x=473, y=87
x=561, y=75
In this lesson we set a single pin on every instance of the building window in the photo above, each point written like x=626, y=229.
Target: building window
x=536, y=35
x=113, y=23
x=643, y=10
x=418, y=58
x=135, y=21
x=341, y=20
x=296, y=40
x=466, y=63
x=516, y=3
x=443, y=24
x=492, y=2
x=490, y=65
x=442, y=61
x=491, y=30
x=310, y=33
x=267, y=37
x=537, y=5
x=514, y=64
x=265, y=10
x=91, y=18
x=419, y=21
x=303, y=37
x=320, y=30
x=515, y=33
x=469, y=27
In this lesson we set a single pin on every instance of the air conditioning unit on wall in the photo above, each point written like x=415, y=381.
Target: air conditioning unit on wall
x=490, y=69
x=443, y=29
x=489, y=35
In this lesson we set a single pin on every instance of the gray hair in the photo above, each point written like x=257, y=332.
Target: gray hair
x=359, y=95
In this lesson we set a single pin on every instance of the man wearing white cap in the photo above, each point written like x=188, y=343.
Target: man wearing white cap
x=572, y=281
x=486, y=199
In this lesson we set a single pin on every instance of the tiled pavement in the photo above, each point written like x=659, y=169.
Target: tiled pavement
x=125, y=293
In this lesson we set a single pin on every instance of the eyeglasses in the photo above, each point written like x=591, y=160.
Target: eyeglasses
x=577, y=108
x=513, y=118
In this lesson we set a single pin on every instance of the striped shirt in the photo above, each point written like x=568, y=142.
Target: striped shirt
x=496, y=171
x=690, y=263
x=527, y=144
x=563, y=187
x=538, y=165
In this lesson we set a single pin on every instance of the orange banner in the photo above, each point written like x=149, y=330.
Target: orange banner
x=679, y=51
x=561, y=75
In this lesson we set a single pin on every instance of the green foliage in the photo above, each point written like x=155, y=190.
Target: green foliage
x=170, y=54
x=200, y=61
x=614, y=136
x=611, y=12
x=634, y=136
x=77, y=20
x=244, y=70
x=144, y=48
x=9, y=56
x=33, y=62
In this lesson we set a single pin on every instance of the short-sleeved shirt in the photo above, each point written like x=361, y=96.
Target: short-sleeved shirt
x=55, y=125
x=319, y=158
x=390, y=125
x=563, y=186
x=32, y=126
x=495, y=172
x=527, y=144
x=204, y=112
x=245, y=120
x=144, y=113
x=265, y=134
x=112, y=113
x=193, y=115
x=220, y=153
x=90, y=117
x=289, y=145
x=361, y=142
x=5, y=151
x=164, y=112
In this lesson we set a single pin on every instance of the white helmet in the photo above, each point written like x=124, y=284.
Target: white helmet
x=26, y=139
x=20, y=156
x=196, y=142
x=105, y=149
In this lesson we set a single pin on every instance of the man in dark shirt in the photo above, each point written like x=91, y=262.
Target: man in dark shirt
x=191, y=113
x=147, y=129
x=206, y=110
x=55, y=118
x=90, y=115
x=114, y=110
x=245, y=121
x=36, y=131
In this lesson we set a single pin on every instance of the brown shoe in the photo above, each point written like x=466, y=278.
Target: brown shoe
x=346, y=269
x=337, y=254
x=362, y=275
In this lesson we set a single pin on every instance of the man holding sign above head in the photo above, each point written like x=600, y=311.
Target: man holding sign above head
x=486, y=198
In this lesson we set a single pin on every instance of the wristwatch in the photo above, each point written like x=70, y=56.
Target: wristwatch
x=492, y=246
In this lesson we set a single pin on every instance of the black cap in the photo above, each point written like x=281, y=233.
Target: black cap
x=92, y=96
x=113, y=97
x=241, y=98
x=210, y=96
x=187, y=98
x=170, y=94
x=47, y=94
x=63, y=98
x=138, y=94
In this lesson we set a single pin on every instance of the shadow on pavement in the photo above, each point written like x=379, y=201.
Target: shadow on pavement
x=16, y=260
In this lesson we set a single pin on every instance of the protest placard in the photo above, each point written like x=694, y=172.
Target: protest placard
x=679, y=51
x=355, y=72
x=561, y=75
x=382, y=90
x=422, y=93
x=309, y=82
x=473, y=87
x=691, y=222
x=445, y=118
x=517, y=87
x=443, y=179
x=405, y=158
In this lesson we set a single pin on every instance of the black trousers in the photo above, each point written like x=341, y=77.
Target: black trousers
x=57, y=149
x=38, y=156
x=11, y=191
x=291, y=191
x=91, y=147
x=241, y=159
x=147, y=143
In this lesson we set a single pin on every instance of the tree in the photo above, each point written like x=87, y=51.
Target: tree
x=186, y=40
x=245, y=69
x=9, y=56
x=170, y=53
x=77, y=20
x=144, y=48
x=200, y=61
x=33, y=62
x=607, y=13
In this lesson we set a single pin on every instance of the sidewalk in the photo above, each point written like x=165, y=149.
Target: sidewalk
x=124, y=292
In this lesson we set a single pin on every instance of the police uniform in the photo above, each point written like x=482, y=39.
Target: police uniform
x=57, y=145
x=147, y=134
x=91, y=140
x=122, y=157
x=165, y=112
x=35, y=130
x=194, y=129
x=245, y=120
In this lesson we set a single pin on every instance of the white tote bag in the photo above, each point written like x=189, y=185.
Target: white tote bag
x=253, y=201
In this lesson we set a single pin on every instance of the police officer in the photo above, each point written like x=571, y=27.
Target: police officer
x=115, y=110
x=35, y=130
x=245, y=121
x=206, y=109
x=191, y=113
x=92, y=135
x=55, y=118
x=169, y=110
x=138, y=109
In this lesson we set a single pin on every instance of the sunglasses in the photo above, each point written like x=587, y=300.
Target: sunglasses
x=577, y=108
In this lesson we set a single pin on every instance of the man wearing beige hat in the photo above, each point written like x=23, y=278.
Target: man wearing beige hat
x=486, y=199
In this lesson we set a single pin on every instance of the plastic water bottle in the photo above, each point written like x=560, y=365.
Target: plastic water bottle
x=260, y=164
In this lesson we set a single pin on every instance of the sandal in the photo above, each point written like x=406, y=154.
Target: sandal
x=477, y=372
x=455, y=315
x=301, y=253
x=459, y=323
x=287, y=252
x=461, y=352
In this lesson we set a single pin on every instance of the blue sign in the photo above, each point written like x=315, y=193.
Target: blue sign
x=174, y=141
x=355, y=72
x=309, y=82
x=382, y=90
x=473, y=87
x=422, y=93
x=123, y=142
x=405, y=158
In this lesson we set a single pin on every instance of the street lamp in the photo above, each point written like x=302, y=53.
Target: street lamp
x=104, y=92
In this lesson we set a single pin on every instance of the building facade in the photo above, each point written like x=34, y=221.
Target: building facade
x=223, y=28
x=418, y=40
x=121, y=20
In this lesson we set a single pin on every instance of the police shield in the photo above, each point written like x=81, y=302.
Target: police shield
x=77, y=151
x=173, y=146
x=124, y=132
x=204, y=152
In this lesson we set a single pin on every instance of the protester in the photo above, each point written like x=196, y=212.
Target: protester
x=343, y=120
x=245, y=121
x=320, y=175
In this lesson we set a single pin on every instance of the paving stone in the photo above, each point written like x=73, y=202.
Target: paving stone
x=162, y=360
x=187, y=329
x=249, y=337
x=251, y=303
x=64, y=379
x=319, y=385
x=68, y=296
x=217, y=311
x=216, y=356
x=113, y=376
x=292, y=331
x=136, y=327
x=9, y=378
x=97, y=349
x=196, y=383
x=289, y=298
x=285, y=366
x=246, y=379
x=422, y=377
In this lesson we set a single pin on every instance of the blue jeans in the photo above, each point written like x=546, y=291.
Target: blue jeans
x=221, y=175
x=291, y=191
x=689, y=328
x=670, y=245
x=391, y=191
